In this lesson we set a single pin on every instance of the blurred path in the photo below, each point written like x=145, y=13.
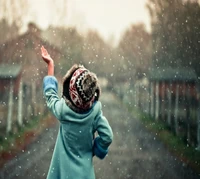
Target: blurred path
x=34, y=162
x=134, y=153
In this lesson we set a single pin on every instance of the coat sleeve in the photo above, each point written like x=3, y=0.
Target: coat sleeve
x=50, y=89
x=104, y=138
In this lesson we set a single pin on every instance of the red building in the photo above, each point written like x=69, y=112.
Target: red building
x=21, y=74
x=10, y=80
x=9, y=74
x=173, y=98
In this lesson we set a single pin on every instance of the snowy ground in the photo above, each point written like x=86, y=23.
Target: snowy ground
x=135, y=153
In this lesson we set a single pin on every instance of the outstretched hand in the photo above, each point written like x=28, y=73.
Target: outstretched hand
x=47, y=58
x=45, y=55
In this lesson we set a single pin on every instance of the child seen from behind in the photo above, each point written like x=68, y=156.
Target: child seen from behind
x=79, y=112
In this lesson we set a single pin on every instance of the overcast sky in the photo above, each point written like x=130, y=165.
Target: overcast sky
x=109, y=17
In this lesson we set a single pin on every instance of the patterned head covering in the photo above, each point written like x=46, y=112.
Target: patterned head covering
x=83, y=88
x=81, y=97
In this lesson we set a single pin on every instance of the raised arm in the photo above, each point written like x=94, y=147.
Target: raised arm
x=47, y=58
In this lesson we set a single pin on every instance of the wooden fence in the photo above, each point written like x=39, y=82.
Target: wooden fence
x=17, y=108
x=175, y=103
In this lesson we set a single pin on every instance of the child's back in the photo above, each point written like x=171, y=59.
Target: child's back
x=80, y=116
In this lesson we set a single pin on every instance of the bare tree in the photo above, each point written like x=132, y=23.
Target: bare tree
x=14, y=11
x=7, y=31
x=135, y=50
x=15, y=14
x=175, y=33
x=11, y=18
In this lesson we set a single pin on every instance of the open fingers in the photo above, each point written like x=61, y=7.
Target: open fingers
x=43, y=50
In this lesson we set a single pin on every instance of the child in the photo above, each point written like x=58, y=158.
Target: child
x=80, y=116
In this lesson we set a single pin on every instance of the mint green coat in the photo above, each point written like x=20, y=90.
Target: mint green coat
x=75, y=145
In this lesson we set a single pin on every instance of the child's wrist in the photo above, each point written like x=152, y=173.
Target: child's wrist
x=51, y=62
x=51, y=68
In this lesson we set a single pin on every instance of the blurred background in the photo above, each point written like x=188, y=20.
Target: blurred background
x=112, y=39
x=145, y=52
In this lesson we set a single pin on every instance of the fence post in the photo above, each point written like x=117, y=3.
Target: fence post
x=169, y=95
x=157, y=101
x=198, y=126
x=20, y=103
x=163, y=102
x=188, y=115
x=176, y=109
x=149, y=99
x=137, y=96
x=10, y=108
x=33, y=90
x=152, y=99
